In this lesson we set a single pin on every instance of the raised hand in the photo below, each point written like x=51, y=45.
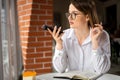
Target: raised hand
x=57, y=37
x=95, y=34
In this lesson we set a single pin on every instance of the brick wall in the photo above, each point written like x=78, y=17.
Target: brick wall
x=36, y=44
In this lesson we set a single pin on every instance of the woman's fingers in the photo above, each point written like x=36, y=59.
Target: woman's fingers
x=99, y=26
x=97, y=30
x=49, y=31
x=58, y=31
x=57, y=37
x=54, y=31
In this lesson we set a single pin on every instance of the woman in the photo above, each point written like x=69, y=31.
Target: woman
x=85, y=46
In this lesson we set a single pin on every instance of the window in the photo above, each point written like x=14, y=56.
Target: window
x=10, y=55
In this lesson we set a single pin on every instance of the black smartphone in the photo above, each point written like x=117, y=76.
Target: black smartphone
x=45, y=27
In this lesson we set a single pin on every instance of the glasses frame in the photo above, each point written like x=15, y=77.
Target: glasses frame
x=72, y=15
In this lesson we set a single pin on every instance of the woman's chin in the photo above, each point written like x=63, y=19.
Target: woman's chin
x=72, y=27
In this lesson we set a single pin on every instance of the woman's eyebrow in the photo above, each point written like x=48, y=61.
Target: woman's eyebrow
x=74, y=11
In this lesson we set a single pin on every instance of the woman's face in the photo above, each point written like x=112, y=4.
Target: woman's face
x=76, y=18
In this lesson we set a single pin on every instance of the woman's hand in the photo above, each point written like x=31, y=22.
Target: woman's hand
x=57, y=37
x=95, y=34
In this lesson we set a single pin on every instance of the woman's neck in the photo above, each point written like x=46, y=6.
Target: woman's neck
x=82, y=34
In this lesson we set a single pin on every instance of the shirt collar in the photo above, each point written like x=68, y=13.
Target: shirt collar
x=72, y=36
x=87, y=40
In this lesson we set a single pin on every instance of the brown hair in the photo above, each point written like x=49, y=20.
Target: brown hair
x=88, y=8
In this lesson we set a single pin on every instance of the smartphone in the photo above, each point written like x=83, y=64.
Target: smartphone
x=45, y=27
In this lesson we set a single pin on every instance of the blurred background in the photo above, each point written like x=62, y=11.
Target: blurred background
x=24, y=46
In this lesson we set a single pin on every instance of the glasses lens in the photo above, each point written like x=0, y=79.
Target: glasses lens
x=67, y=14
x=72, y=15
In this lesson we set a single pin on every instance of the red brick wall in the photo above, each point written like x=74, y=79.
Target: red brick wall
x=36, y=44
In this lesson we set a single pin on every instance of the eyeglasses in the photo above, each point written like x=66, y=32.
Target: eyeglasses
x=72, y=15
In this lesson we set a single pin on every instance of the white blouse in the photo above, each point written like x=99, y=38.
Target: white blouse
x=82, y=57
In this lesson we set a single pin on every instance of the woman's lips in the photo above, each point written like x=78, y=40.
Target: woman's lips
x=71, y=23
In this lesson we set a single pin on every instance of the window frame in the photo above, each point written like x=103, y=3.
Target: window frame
x=1, y=61
x=15, y=55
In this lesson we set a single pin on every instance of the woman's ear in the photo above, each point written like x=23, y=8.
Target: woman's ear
x=87, y=18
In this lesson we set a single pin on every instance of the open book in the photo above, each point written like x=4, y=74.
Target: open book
x=77, y=75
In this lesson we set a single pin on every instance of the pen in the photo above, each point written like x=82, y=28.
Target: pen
x=66, y=78
x=61, y=77
x=75, y=79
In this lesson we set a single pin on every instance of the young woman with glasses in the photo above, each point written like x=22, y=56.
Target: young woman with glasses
x=85, y=46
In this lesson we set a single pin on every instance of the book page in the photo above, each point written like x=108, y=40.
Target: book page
x=88, y=75
x=67, y=74
x=79, y=75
